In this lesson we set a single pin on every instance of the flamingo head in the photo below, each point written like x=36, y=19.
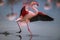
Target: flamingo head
x=34, y=3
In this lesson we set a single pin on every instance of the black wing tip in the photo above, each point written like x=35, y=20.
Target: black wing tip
x=47, y=18
x=51, y=19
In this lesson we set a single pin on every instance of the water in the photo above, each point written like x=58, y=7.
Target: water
x=15, y=36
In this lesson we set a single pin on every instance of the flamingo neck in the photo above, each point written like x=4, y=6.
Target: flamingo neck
x=35, y=9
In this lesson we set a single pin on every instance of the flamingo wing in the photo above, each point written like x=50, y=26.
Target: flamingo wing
x=41, y=17
x=23, y=12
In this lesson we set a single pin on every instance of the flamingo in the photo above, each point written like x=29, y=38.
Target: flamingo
x=28, y=16
x=1, y=2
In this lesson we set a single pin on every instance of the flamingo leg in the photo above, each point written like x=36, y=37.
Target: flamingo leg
x=29, y=28
x=30, y=37
x=19, y=27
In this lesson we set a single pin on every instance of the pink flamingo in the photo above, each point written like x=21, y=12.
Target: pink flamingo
x=30, y=16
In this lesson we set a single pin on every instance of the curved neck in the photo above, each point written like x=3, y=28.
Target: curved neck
x=35, y=9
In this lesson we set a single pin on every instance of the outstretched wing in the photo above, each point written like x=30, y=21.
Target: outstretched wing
x=41, y=17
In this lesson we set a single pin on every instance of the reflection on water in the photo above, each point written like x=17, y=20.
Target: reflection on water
x=30, y=36
x=5, y=33
x=15, y=36
x=19, y=36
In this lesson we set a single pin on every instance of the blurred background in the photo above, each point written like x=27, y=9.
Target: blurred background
x=42, y=30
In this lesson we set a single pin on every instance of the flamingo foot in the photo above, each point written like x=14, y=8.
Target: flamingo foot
x=19, y=31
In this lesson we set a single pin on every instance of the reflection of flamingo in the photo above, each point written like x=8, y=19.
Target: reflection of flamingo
x=19, y=36
x=29, y=16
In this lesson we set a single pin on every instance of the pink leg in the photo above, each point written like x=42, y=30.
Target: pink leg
x=30, y=37
x=29, y=28
x=19, y=27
